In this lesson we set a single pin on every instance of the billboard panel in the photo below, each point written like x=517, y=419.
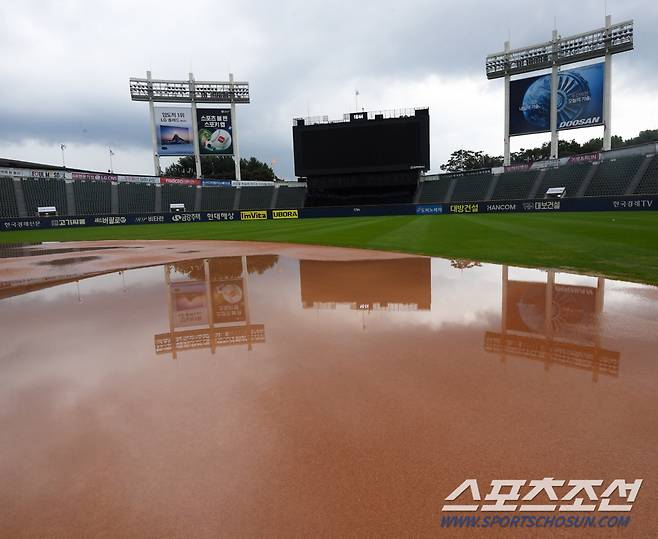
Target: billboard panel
x=228, y=301
x=573, y=309
x=189, y=304
x=579, y=101
x=174, y=130
x=215, y=131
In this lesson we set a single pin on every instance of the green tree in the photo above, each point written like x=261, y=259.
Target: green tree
x=470, y=160
x=222, y=167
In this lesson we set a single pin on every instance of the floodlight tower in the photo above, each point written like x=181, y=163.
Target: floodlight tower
x=559, y=51
x=190, y=92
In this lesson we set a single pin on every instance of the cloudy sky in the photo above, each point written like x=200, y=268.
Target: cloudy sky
x=65, y=67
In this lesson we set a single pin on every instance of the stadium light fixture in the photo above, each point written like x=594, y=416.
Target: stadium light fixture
x=181, y=91
x=566, y=50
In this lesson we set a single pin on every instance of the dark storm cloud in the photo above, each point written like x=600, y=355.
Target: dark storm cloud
x=121, y=128
x=65, y=66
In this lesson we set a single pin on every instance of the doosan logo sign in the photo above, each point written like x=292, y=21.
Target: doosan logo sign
x=592, y=120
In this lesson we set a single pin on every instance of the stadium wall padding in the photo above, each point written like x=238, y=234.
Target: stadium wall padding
x=617, y=204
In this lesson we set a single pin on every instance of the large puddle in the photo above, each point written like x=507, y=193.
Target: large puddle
x=319, y=395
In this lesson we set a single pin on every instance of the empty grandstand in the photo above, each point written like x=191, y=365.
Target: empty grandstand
x=8, y=206
x=40, y=192
x=613, y=176
x=648, y=184
x=570, y=177
x=178, y=194
x=92, y=198
x=290, y=197
x=514, y=185
x=433, y=191
x=217, y=198
x=471, y=188
x=136, y=197
x=256, y=198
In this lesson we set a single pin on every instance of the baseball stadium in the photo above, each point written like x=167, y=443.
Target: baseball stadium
x=372, y=347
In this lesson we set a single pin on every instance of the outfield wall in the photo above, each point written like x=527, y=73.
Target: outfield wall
x=621, y=204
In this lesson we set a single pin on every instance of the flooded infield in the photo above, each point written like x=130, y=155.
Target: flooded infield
x=243, y=389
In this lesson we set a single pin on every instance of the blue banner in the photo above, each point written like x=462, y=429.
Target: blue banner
x=216, y=183
x=579, y=101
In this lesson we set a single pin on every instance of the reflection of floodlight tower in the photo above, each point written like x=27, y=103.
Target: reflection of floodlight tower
x=203, y=322
x=559, y=324
x=191, y=92
x=600, y=43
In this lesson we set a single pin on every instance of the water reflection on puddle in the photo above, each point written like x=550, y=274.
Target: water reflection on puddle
x=247, y=395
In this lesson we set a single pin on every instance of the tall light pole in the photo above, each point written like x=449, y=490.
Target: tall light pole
x=111, y=154
x=63, y=147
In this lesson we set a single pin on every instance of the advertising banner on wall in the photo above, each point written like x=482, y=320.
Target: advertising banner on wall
x=215, y=131
x=93, y=176
x=174, y=130
x=579, y=101
x=180, y=181
x=33, y=173
x=216, y=183
x=138, y=179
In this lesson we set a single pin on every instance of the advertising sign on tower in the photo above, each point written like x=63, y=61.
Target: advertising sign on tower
x=174, y=130
x=579, y=101
x=215, y=131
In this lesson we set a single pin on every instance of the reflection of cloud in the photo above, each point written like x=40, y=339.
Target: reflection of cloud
x=351, y=428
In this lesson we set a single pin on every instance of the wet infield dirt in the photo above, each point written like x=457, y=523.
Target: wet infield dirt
x=242, y=389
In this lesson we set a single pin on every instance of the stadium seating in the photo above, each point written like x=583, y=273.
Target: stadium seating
x=136, y=198
x=649, y=182
x=470, y=188
x=256, y=198
x=433, y=191
x=609, y=178
x=613, y=176
x=290, y=197
x=92, y=198
x=43, y=192
x=178, y=194
x=8, y=207
x=217, y=198
x=514, y=185
x=570, y=177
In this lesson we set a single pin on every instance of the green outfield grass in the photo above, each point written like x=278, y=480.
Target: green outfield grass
x=618, y=245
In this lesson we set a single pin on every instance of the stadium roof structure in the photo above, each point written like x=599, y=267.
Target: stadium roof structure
x=15, y=163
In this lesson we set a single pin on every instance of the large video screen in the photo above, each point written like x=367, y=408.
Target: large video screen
x=378, y=145
x=579, y=101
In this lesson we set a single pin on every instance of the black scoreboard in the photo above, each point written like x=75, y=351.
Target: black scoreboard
x=363, y=145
